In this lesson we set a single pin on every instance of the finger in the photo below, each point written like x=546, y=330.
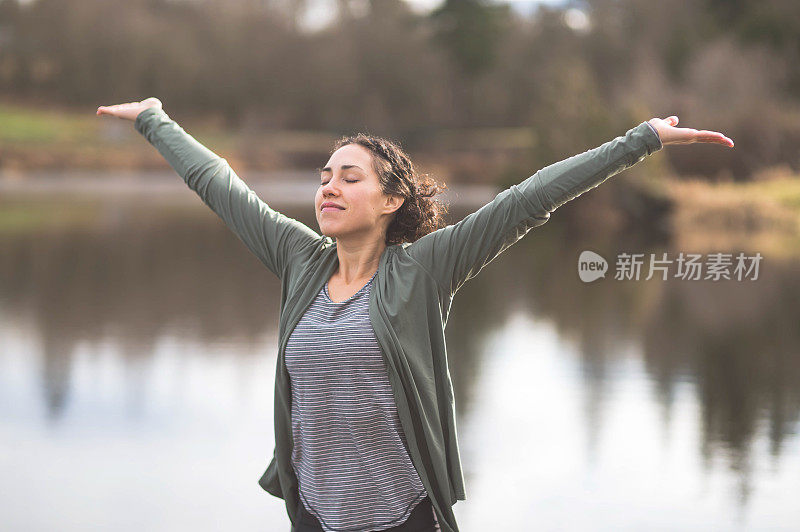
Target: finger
x=117, y=107
x=713, y=136
x=673, y=120
x=112, y=110
x=710, y=135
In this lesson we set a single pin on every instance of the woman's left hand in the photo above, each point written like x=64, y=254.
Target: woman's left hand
x=683, y=135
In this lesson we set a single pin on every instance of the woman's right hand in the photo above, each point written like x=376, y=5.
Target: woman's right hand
x=129, y=111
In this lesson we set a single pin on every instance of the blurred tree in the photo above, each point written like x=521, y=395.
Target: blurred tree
x=470, y=30
x=297, y=10
x=343, y=10
x=775, y=23
x=10, y=23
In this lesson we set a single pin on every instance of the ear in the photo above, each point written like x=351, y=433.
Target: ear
x=393, y=202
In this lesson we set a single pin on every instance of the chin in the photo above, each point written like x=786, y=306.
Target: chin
x=328, y=233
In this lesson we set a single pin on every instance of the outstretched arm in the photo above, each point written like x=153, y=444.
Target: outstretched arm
x=456, y=253
x=273, y=237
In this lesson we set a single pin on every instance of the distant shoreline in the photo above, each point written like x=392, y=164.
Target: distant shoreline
x=284, y=187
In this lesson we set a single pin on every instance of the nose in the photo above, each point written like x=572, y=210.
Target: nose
x=329, y=189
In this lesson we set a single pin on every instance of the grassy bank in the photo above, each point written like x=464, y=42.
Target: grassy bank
x=762, y=215
x=33, y=138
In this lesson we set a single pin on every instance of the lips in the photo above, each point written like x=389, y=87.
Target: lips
x=329, y=206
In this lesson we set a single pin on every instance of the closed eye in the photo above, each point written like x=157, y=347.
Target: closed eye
x=347, y=180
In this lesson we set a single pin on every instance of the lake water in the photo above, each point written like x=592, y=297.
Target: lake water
x=137, y=360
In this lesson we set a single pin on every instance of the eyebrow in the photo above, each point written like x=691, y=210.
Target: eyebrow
x=343, y=167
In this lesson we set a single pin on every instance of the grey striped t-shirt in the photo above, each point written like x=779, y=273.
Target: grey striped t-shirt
x=350, y=453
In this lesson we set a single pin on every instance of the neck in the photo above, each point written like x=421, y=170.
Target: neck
x=358, y=259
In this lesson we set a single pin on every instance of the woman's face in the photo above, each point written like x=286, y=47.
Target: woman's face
x=349, y=181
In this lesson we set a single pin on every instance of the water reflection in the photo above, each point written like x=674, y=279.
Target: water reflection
x=149, y=321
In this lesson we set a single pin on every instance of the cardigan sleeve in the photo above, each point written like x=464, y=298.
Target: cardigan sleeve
x=456, y=253
x=273, y=237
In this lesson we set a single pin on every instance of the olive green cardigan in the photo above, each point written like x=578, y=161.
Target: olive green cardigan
x=414, y=287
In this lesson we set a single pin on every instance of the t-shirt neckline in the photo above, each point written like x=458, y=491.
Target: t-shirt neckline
x=328, y=295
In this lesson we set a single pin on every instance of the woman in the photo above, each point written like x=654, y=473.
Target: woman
x=365, y=431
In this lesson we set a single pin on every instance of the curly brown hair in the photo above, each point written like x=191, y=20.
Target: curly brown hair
x=420, y=213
